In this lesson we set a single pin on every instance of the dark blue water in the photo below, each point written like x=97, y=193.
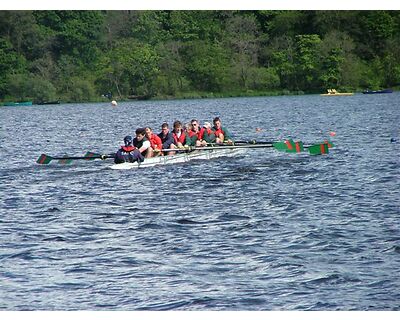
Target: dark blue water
x=267, y=231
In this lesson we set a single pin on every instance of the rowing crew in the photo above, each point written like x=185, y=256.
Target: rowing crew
x=146, y=144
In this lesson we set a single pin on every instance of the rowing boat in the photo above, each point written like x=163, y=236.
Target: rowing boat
x=200, y=153
x=180, y=158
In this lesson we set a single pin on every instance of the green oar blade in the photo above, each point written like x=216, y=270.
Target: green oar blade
x=289, y=146
x=280, y=146
x=44, y=159
x=329, y=143
x=299, y=146
x=92, y=155
x=65, y=161
x=317, y=149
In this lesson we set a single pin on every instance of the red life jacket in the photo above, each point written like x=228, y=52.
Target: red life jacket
x=201, y=132
x=218, y=132
x=181, y=139
x=191, y=133
x=128, y=148
x=155, y=142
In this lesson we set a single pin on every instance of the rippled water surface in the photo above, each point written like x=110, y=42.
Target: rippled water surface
x=264, y=231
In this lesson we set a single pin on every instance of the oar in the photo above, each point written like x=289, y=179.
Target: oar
x=220, y=147
x=45, y=159
x=253, y=142
x=291, y=146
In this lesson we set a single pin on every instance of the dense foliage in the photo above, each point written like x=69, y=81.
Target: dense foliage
x=80, y=55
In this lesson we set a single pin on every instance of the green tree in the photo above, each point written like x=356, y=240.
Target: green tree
x=171, y=79
x=206, y=66
x=10, y=63
x=307, y=60
x=336, y=50
x=242, y=38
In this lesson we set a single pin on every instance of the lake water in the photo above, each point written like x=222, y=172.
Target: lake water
x=264, y=231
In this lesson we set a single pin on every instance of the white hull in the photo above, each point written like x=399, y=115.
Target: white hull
x=179, y=158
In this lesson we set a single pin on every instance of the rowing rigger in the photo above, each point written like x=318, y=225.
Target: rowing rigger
x=287, y=146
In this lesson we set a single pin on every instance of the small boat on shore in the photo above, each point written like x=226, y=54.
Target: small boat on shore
x=16, y=104
x=378, y=91
x=333, y=92
x=180, y=158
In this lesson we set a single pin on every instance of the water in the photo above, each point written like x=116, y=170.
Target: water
x=267, y=231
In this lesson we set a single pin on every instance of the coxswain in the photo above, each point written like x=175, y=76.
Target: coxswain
x=155, y=143
x=126, y=152
x=167, y=138
x=221, y=133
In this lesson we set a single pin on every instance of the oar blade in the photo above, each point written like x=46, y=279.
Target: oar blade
x=289, y=146
x=280, y=146
x=318, y=149
x=299, y=146
x=329, y=143
x=92, y=155
x=67, y=160
x=44, y=159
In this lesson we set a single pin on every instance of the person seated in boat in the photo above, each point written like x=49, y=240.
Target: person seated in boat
x=193, y=134
x=128, y=152
x=191, y=137
x=167, y=138
x=155, y=144
x=206, y=134
x=221, y=133
x=141, y=143
x=179, y=135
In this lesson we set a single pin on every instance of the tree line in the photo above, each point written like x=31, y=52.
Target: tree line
x=78, y=56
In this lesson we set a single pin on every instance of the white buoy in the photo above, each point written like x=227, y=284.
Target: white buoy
x=114, y=103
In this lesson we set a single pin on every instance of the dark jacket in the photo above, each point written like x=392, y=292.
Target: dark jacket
x=167, y=140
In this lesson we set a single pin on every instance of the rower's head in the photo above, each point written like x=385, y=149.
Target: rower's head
x=165, y=128
x=128, y=140
x=207, y=125
x=188, y=126
x=195, y=124
x=140, y=133
x=149, y=132
x=217, y=122
x=177, y=126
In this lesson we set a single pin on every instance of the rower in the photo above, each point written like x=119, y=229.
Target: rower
x=141, y=144
x=155, y=143
x=179, y=134
x=221, y=133
x=167, y=138
x=207, y=135
x=194, y=134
